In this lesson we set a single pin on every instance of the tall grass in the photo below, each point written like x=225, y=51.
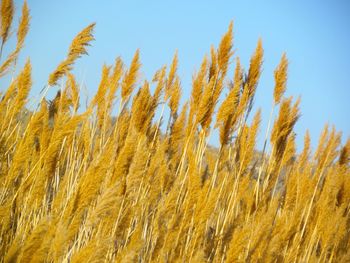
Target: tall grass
x=95, y=187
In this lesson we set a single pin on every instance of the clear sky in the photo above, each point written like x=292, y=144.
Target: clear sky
x=314, y=34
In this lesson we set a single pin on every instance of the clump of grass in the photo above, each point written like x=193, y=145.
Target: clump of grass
x=91, y=186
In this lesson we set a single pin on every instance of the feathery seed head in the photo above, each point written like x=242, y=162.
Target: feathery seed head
x=280, y=75
x=255, y=68
x=225, y=50
x=7, y=10
x=23, y=25
x=76, y=49
x=131, y=76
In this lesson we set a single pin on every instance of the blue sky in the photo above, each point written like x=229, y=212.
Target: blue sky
x=314, y=34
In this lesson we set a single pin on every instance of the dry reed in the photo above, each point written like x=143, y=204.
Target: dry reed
x=90, y=186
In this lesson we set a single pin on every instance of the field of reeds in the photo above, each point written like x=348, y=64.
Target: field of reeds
x=115, y=182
